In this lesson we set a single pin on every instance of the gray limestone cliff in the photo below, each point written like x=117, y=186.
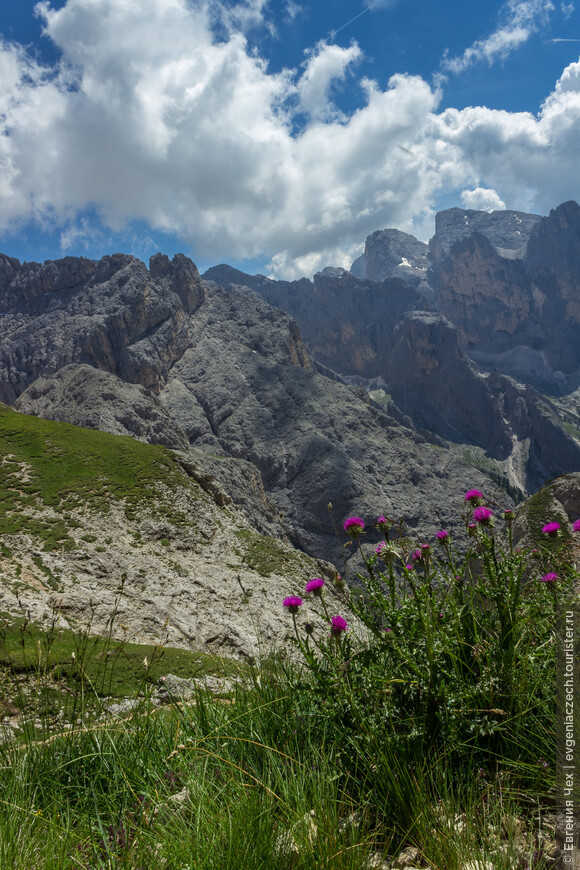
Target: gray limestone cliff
x=233, y=375
x=498, y=293
x=114, y=315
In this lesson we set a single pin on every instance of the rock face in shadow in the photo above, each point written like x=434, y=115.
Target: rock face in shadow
x=347, y=324
x=432, y=381
x=491, y=293
x=516, y=310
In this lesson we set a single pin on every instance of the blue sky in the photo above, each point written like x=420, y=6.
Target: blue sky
x=277, y=134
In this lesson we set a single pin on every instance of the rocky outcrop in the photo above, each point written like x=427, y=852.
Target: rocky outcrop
x=85, y=396
x=179, y=568
x=508, y=231
x=558, y=501
x=484, y=309
x=234, y=377
x=313, y=440
x=347, y=324
x=114, y=315
x=394, y=254
x=520, y=315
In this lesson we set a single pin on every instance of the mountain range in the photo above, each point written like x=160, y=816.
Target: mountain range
x=386, y=389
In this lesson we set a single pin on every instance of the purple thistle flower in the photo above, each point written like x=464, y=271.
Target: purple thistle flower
x=471, y=528
x=315, y=586
x=416, y=556
x=409, y=567
x=292, y=603
x=550, y=577
x=551, y=529
x=482, y=515
x=380, y=547
x=576, y=526
x=425, y=548
x=338, y=624
x=473, y=496
x=442, y=536
x=354, y=526
x=508, y=515
x=383, y=524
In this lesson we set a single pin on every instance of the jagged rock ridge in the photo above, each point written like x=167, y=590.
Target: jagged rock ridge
x=233, y=374
x=500, y=294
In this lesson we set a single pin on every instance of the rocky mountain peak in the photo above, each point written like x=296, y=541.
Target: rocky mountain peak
x=113, y=314
x=508, y=231
x=30, y=281
x=392, y=253
x=555, y=240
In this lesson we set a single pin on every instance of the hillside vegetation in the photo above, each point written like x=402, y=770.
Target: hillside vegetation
x=415, y=723
x=92, y=522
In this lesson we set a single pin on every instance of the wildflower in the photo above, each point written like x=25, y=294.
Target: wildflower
x=315, y=586
x=473, y=496
x=550, y=577
x=293, y=602
x=409, y=567
x=416, y=556
x=387, y=549
x=442, y=536
x=354, y=526
x=383, y=524
x=471, y=528
x=508, y=516
x=482, y=515
x=308, y=627
x=576, y=526
x=425, y=548
x=338, y=624
x=551, y=529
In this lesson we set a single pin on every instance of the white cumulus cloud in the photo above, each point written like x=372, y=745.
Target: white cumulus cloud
x=482, y=199
x=326, y=64
x=150, y=117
